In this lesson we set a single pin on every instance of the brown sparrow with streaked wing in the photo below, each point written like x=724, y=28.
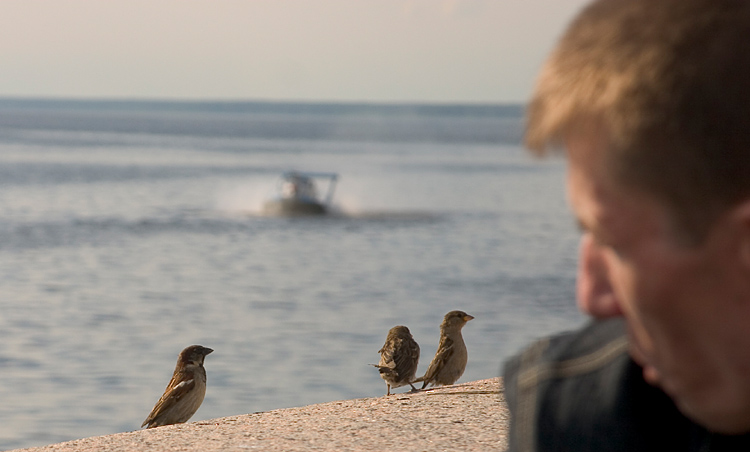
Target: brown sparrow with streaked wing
x=450, y=359
x=398, y=358
x=185, y=392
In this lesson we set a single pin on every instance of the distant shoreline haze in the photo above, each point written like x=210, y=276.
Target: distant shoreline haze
x=285, y=107
x=369, y=122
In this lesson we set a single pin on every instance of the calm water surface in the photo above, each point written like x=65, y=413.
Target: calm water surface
x=131, y=230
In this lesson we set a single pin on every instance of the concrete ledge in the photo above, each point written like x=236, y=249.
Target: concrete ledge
x=468, y=417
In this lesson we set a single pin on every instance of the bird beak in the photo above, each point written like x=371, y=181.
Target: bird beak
x=468, y=317
x=207, y=350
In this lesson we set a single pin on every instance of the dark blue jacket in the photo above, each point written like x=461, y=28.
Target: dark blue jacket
x=581, y=392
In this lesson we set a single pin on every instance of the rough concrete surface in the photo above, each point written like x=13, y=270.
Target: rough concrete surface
x=467, y=417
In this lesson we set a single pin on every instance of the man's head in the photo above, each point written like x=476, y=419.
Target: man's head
x=670, y=82
x=651, y=101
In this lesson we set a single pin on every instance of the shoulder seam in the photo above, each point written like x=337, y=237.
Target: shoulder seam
x=532, y=375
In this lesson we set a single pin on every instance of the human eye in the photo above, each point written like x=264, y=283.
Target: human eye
x=601, y=241
x=611, y=248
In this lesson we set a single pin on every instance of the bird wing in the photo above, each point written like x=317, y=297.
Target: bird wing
x=406, y=363
x=386, y=355
x=386, y=364
x=385, y=369
x=180, y=384
x=443, y=354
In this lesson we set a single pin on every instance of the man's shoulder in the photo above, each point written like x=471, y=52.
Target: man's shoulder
x=577, y=353
x=581, y=391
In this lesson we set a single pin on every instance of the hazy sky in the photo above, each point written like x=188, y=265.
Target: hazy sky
x=334, y=50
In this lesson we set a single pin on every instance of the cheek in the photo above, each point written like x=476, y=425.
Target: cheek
x=626, y=285
x=636, y=285
x=638, y=296
x=653, y=294
x=645, y=290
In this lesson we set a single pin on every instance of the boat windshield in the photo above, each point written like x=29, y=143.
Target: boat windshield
x=296, y=186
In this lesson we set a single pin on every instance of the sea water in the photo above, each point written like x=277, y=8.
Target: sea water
x=129, y=230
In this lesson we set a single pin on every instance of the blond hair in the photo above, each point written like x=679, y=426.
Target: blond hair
x=670, y=82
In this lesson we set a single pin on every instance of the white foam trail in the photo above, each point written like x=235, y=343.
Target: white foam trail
x=245, y=197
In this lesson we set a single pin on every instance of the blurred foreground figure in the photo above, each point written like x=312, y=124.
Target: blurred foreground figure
x=649, y=100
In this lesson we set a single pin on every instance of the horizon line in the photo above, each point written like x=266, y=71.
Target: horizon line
x=218, y=100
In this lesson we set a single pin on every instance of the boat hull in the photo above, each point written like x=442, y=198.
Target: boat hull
x=293, y=207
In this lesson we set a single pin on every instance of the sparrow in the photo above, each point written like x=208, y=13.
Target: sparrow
x=450, y=359
x=185, y=392
x=399, y=357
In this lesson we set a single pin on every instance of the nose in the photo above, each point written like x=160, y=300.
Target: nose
x=593, y=286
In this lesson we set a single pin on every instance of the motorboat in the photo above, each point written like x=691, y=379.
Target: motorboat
x=297, y=194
